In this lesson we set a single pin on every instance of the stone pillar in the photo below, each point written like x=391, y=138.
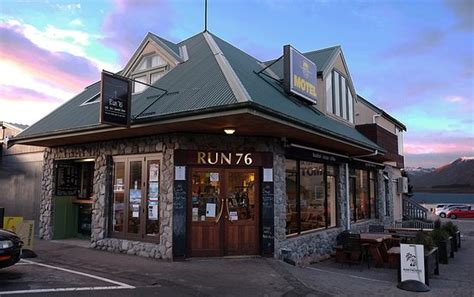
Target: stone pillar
x=342, y=197
x=46, y=202
x=280, y=202
x=99, y=210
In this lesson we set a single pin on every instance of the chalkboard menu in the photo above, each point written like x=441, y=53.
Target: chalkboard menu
x=67, y=179
x=115, y=100
x=179, y=218
x=267, y=218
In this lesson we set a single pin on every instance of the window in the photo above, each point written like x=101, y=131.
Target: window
x=150, y=69
x=362, y=195
x=311, y=196
x=135, y=199
x=339, y=97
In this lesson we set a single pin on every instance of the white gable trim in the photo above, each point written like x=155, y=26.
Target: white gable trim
x=330, y=68
x=164, y=52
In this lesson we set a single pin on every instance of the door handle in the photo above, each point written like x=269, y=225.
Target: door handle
x=220, y=211
x=228, y=212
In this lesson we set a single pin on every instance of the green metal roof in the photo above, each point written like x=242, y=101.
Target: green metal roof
x=200, y=84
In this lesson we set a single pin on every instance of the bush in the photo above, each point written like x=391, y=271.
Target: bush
x=424, y=239
x=450, y=228
x=439, y=235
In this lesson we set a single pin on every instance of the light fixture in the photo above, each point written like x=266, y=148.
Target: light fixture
x=229, y=131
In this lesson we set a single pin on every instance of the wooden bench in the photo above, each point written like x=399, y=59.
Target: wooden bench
x=393, y=257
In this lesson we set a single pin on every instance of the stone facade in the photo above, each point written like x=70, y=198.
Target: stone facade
x=103, y=151
x=302, y=249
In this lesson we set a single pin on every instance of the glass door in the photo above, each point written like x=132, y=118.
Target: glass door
x=136, y=197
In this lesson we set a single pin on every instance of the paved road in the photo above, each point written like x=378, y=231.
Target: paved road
x=66, y=270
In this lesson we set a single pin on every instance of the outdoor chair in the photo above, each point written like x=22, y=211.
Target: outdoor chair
x=354, y=251
x=376, y=228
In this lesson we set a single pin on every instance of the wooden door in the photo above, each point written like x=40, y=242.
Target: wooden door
x=242, y=211
x=224, y=212
x=206, y=207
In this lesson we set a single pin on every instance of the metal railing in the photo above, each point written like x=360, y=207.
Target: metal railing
x=412, y=210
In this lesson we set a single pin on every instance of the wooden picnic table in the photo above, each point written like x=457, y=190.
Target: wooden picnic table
x=401, y=229
x=377, y=247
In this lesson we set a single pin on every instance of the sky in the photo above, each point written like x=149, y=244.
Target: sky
x=414, y=59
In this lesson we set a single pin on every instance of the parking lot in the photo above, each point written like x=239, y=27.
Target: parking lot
x=28, y=277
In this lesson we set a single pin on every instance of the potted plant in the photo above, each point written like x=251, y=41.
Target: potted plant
x=452, y=230
x=443, y=241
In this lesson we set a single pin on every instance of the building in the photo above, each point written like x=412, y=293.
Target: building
x=20, y=175
x=219, y=159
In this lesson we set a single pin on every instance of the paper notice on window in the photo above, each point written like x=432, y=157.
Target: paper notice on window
x=214, y=177
x=233, y=216
x=135, y=214
x=153, y=212
x=210, y=210
x=153, y=191
x=154, y=172
x=180, y=173
x=268, y=175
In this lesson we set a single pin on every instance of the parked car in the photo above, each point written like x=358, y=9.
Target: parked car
x=10, y=248
x=461, y=212
x=442, y=211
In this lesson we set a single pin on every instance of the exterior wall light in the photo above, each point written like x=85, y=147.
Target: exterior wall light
x=229, y=131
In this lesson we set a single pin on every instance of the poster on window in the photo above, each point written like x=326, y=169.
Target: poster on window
x=214, y=177
x=153, y=191
x=135, y=195
x=153, y=212
x=154, y=172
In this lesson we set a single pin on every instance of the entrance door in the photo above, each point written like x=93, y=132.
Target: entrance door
x=223, y=212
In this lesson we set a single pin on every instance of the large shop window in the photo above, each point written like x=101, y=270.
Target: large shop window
x=311, y=196
x=362, y=195
x=135, y=199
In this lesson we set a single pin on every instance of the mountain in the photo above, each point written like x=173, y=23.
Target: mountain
x=457, y=176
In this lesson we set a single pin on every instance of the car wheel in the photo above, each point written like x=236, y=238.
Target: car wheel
x=443, y=215
x=453, y=216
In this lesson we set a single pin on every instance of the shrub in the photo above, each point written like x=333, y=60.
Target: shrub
x=424, y=239
x=439, y=235
x=450, y=228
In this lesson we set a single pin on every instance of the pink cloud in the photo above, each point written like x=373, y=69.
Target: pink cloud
x=126, y=26
x=23, y=94
x=439, y=144
x=56, y=68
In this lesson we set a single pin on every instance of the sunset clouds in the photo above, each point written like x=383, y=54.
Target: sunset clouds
x=415, y=62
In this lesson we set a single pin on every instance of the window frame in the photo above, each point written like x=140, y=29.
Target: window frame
x=141, y=235
x=149, y=71
x=326, y=197
x=353, y=195
x=340, y=106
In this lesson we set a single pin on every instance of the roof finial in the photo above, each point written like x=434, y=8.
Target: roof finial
x=205, y=15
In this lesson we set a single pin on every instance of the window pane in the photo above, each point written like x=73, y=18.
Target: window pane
x=153, y=198
x=362, y=195
x=343, y=98
x=329, y=92
x=156, y=76
x=135, y=198
x=206, y=190
x=138, y=87
x=291, y=211
x=157, y=61
x=351, y=107
x=331, y=194
x=118, y=207
x=241, y=195
x=337, y=107
x=312, y=196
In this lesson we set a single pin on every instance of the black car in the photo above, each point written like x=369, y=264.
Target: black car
x=10, y=248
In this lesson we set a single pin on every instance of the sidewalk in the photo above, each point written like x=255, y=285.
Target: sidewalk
x=254, y=276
